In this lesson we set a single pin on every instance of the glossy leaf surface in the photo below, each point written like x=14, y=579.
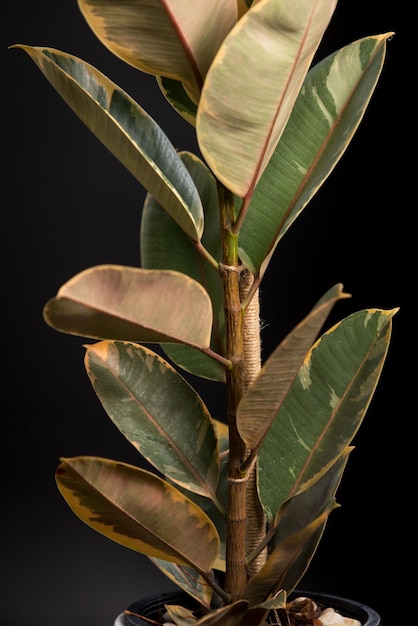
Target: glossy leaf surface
x=186, y=578
x=116, y=302
x=252, y=84
x=164, y=245
x=325, y=406
x=325, y=116
x=175, y=93
x=268, y=578
x=267, y=393
x=299, y=513
x=163, y=37
x=130, y=134
x=138, y=510
x=158, y=412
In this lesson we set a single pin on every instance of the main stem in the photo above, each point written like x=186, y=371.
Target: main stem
x=245, y=361
x=236, y=572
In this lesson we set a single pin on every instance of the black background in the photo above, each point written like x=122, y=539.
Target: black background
x=67, y=205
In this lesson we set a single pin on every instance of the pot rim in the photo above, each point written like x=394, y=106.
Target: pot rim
x=346, y=606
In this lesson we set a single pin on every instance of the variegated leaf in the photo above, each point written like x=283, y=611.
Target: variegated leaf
x=324, y=407
x=252, y=85
x=326, y=115
x=263, y=399
x=133, y=304
x=158, y=412
x=164, y=37
x=297, y=514
x=268, y=579
x=138, y=510
x=130, y=134
x=164, y=245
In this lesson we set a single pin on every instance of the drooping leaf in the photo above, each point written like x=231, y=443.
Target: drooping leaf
x=324, y=119
x=297, y=514
x=164, y=37
x=268, y=391
x=116, y=302
x=269, y=578
x=165, y=246
x=252, y=85
x=138, y=510
x=216, y=510
x=157, y=411
x=185, y=577
x=324, y=407
x=130, y=134
x=298, y=529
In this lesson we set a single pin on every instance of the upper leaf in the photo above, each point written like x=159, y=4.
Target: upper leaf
x=163, y=37
x=326, y=114
x=252, y=84
x=116, y=302
x=130, y=134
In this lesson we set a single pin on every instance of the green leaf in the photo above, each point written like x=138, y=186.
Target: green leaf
x=268, y=579
x=116, y=302
x=130, y=134
x=138, y=510
x=167, y=39
x=324, y=407
x=184, y=577
x=299, y=513
x=268, y=391
x=165, y=246
x=324, y=119
x=175, y=93
x=216, y=509
x=252, y=85
x=157, y=411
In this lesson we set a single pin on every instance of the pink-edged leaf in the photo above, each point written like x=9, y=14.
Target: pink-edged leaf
x=163, y=37
x=252, y=85
x=133, y=304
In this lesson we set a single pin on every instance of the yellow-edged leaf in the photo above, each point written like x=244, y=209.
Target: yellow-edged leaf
x=252, y=85
x=163, y=37
x=138, y=510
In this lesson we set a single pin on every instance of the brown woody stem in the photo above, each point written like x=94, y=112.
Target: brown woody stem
x=236, y=571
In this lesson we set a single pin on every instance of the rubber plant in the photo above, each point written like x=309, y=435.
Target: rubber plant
x=236, y=506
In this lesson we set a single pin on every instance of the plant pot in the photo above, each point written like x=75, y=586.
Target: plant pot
x=153, y=607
